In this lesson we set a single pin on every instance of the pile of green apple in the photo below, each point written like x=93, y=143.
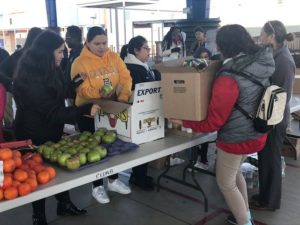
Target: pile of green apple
x=75, y=152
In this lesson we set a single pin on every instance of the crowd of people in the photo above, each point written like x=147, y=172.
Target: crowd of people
x=35, y=77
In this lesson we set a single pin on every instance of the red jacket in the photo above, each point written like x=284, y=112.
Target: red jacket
x=225, y=93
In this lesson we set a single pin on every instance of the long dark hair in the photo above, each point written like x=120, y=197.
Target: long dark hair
x=31, y=36
x=168, y=38
x=37, y=65
x=234, y=39
x=278, y=29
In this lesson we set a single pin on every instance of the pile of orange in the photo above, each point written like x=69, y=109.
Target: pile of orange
x=22, y=174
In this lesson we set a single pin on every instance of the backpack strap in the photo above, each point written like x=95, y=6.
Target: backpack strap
x=248, y=77
x=242, y=74
x=238, y=107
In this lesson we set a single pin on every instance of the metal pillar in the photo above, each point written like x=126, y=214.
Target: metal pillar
x=51, y=13
x=198, y=9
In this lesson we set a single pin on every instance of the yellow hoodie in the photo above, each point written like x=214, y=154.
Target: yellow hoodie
x=108, y=69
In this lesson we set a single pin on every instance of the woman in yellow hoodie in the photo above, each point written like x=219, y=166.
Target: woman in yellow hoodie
x=100, y=67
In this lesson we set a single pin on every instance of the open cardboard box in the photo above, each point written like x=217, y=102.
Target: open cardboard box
x=186, y=91
x=139, y=122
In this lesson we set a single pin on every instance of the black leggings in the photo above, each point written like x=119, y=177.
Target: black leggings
x=88, y=124
x=202, y=151
x=39, y=205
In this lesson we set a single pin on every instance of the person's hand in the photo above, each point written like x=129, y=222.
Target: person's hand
x=176, y=49
x=95, y=108
x=176, y=121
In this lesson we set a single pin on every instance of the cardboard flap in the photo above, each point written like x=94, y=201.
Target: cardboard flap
x=112, y=107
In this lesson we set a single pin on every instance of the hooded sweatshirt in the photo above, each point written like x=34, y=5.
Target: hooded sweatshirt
x=236, y=133
x=139, y=71
x=108, y=69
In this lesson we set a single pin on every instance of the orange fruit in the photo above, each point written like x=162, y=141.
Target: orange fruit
x=31, y=173
x=1, y=194
x=43, y=177
x=8, y=165
x=24, y=167
x=10, y=193
x=51, y=171
x=16, y=153
x=24, y=189
x=31, y=163
x=16, y=183
x=5, y=153
x=20, y=175
x=37, y=158
x=38, y=168
x=32, y=182
x=7, y=181
x=18, y=161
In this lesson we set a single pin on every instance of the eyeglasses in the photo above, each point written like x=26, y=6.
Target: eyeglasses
x=147, y=48
x=271, y=26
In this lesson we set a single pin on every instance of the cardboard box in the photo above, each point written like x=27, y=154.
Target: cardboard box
x=139, y=122
x=291, y=147
x=159, y=163
x=186, y=91
x=296, y=88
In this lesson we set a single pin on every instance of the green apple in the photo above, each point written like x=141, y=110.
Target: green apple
x=54, y=155
x=97, y=137
x=102, y=150
x=93, y=156
x=63, y=158
x=109, y=138
x=100, y=132
x=71, y=151
x=87, y=133
x=93, y=144
x=73, y=163
x=82, y=158
x=84, y=150
x=47, y=150
x=106, y=89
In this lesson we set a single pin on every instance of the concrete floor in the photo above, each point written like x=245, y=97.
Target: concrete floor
x=174, y=204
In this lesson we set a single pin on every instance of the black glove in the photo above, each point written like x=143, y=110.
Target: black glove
x=176, y=49
x=77, y=80
x=85, y=109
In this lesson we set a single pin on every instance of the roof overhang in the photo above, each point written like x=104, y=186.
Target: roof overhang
x=117, y=3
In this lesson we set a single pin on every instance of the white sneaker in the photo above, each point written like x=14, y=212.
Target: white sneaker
x=176, y=161
x=99, y=193
x=201, y=165
x=118, y=186
x=190, y=170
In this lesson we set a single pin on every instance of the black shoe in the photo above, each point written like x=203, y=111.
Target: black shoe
x=69, y=208
x=39, y=220
x=255, y=197
x=257, y=205
x=145, y=183
x=231, y=220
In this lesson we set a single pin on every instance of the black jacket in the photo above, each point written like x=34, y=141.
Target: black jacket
x=9, y=66
x=139, y=74
x=41, y=115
